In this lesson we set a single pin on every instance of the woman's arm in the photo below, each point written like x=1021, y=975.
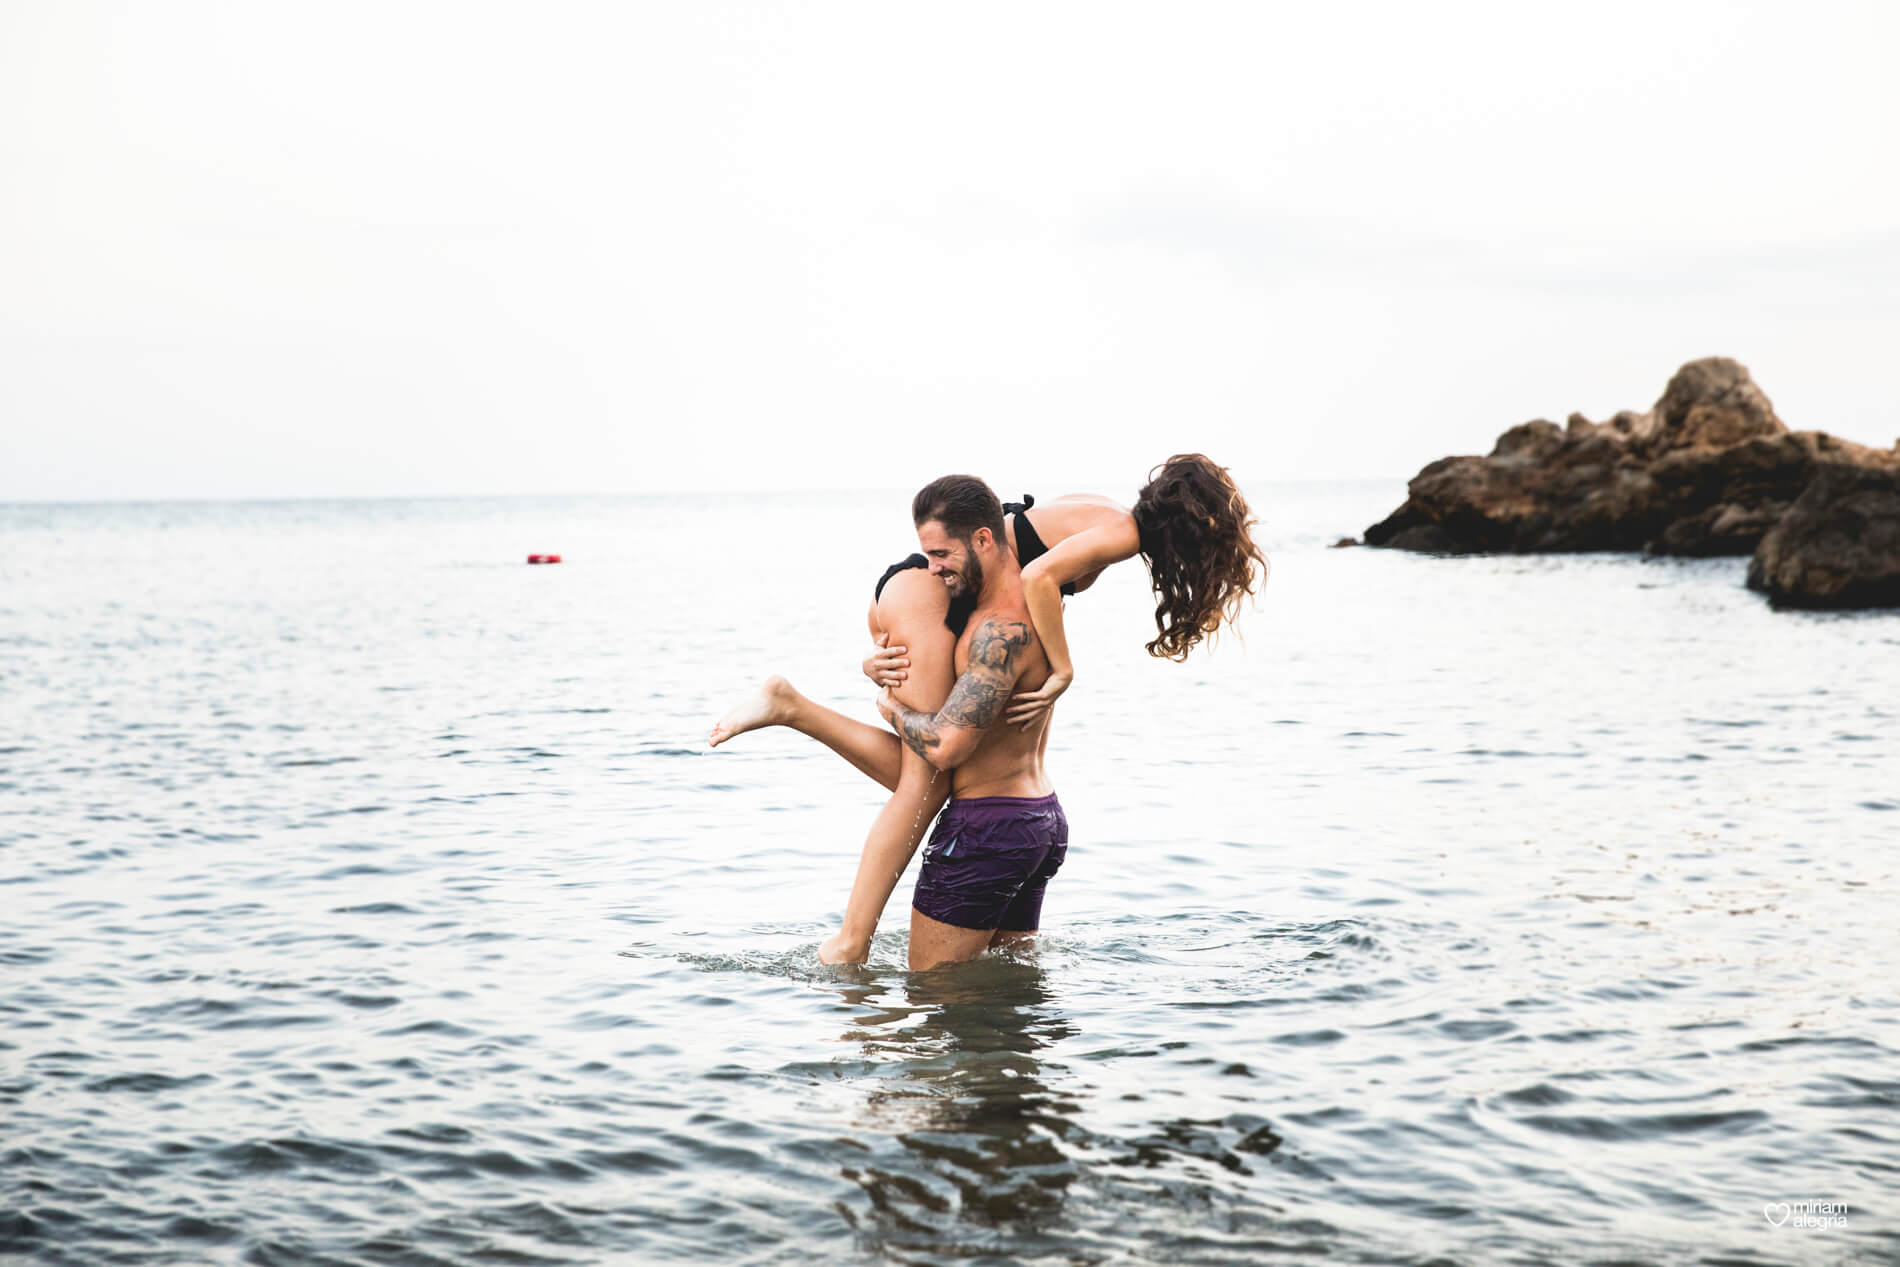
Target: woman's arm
x=1074, y=557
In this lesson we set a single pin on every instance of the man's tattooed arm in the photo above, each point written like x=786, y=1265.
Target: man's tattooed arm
x=947, y=737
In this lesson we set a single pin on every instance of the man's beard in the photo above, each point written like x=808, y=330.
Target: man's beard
x=970, y=576
x=969, y=589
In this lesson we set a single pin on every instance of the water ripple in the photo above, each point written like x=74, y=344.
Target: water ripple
x=397, y=915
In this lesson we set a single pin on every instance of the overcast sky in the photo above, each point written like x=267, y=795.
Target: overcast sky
x=263, y=250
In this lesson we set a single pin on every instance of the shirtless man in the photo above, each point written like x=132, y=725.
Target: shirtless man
x=1003, y=835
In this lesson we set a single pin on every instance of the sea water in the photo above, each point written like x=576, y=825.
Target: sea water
x=368, y=896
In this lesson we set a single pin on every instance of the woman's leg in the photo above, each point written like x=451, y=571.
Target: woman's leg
x=911, y=611
x=893, y=839
x=912, y=602
x=872, y=749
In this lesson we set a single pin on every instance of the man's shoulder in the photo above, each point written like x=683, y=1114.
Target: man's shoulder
x=1004, y=619
x=999, y=637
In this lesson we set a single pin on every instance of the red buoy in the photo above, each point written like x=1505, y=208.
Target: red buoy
x=544, y=558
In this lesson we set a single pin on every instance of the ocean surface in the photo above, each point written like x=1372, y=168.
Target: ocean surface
x=369, y=896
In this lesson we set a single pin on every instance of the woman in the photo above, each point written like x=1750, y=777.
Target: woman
x=1189, y=523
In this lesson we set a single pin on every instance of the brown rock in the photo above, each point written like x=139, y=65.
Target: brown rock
x=1838, y=545
x=1708, y=470
x=1711, y=403
x=1721, y=500
x=1533, y=441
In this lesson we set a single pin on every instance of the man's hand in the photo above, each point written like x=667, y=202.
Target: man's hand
x=1025, y=708
x=887, y=705
x=887, y=666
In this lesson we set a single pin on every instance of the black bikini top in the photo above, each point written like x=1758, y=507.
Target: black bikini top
x=1029, y=546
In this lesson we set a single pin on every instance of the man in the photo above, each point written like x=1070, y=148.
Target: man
x=1003, y=834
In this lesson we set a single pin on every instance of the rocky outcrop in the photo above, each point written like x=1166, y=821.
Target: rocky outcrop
x=1838, y=545
x=1708, y=470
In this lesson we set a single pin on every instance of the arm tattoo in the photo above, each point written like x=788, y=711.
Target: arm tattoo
x=979, y=696
x=996, y=644
x=973, y=703
x=919, y=730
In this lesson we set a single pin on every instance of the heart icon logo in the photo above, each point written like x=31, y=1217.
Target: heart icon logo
x=1776, y=1212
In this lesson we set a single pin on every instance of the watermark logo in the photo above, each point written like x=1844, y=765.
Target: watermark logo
x=1805, y=1214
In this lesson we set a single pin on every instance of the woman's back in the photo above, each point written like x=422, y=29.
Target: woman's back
x=1060, y=518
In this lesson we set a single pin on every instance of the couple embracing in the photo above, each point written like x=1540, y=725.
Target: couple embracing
x=972, y=656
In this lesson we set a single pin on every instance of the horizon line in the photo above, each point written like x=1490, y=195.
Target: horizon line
x=253, y=499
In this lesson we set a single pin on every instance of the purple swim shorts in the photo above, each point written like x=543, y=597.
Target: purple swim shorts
x=990, y=859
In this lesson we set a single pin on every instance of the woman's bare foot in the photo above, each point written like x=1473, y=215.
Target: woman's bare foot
x=771, y=705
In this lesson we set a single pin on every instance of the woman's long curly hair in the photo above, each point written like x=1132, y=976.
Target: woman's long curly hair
x=1197, y=536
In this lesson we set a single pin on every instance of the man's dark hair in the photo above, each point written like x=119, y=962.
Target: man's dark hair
x=961, y=503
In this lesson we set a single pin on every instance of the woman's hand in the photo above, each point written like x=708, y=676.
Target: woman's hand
x=1026, y=707
x=839, y=948
x=887, y=666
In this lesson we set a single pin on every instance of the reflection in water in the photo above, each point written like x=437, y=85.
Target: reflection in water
x=961, y=1089
x=970, y=1144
